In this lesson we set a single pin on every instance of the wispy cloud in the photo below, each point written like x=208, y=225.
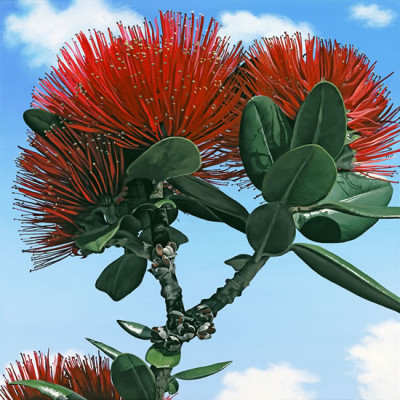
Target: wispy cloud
x=377, y=359
x=278, y=382
x=42, y=30
x=245, y=26
x=372, y=15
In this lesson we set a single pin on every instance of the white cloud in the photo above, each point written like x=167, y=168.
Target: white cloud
x=372, y=15
x=42, y=30
x=278, y=382
x=245, y=26
x=377, y=359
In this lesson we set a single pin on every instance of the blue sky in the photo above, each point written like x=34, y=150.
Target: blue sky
x=292, y=335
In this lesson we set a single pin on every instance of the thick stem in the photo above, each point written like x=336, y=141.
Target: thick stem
x=161, y=375
x=233, y=287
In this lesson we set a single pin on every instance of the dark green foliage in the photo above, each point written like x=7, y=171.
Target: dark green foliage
x=108, y=350
x=339, y=271
x=41, y=121
x=238, y=262
x=300, y=177
x=265, y=135
x=122, y=276
x=322, y=120
x=137, y=330
x=162, y=358
x=201, y=372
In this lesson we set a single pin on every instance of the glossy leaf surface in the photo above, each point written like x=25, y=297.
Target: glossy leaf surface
x=265, y=135
x=322, y=119
x=122, y=276
x=96, y=239
x=173, y=386
x=201, y=372
x=344, y=274
x=351, y=190
x=133, y=378
x=301, y=177
x=138, y=330
x=55, y=392
x=168, y=158
x=238, y=262
x=108, y=350
x=162, y=358
x=174, y=235
x=270, y=230
x=41, y=121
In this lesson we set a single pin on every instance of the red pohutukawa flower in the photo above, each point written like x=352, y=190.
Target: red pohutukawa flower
x=88, y=376
x=66, y=175
x=286, y=69
x=170, y=79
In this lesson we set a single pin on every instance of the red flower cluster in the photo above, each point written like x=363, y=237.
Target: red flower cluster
x=173, y=79
x=68, y=175
x=87, y=376
x=286, y=69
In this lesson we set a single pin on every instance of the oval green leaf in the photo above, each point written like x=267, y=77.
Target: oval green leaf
x=133, y=378
x=122, y=276
x=301, y=177
x=322, y=119
x=162, y=358
x=169, y=158
x=173, y=386
x=270, y=230
x=201, y=372
x=350, y=189
x=138, y=330
x=224, y=207
x=335, y=269
x=265, y=135
x=108, y=350
x=96, y=239
x=174, y=236
x=55, y=392
x=42, y=121
x=238, y=262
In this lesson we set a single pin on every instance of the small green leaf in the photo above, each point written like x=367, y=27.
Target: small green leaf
x=194, y=207
x=55, y=392
x=122, y=276
x=224, y=207
x=238, y=262
x=173, y=386
x=41, y=121
x=339, y=271
x=322, y=119
x=350, y=190
x=270, y=230
x=265, y=135
x=201, y=372
x=138, y=330
x=133, y=378
x=174, y=235
x=96, y=239
x=162, y=358
x=301, y=177
x=108, y=350
x=168, y=158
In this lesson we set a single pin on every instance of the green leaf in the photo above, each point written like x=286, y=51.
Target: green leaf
x=339, y=271
x=172, y=386
x=238, y=262
x=108, y=350
x=301, y=177
x=228, y=210
x=194, y=207
x=201, y=372
x=122, y=276
x=265, y=135
x=41, y=121
x=162, y=358
x=174, y=235
x=55, y=392
x=350, y=190
x=96, y=239
x=138, y=330
x=322, y=119
x=270, y=230
x=133, y=378
x=169, y=158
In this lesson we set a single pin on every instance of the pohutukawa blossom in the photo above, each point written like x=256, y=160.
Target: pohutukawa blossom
x=287, y=68
x=66, y=175
x=88, y=376
x=173, y=78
